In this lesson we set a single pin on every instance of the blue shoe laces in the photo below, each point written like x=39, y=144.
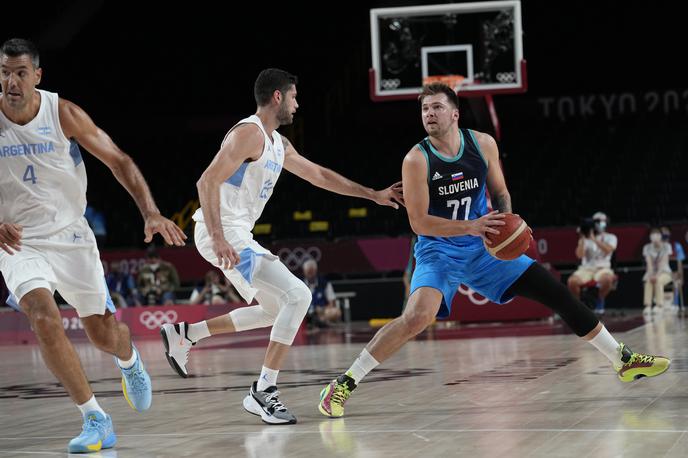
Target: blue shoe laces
x=136, y=377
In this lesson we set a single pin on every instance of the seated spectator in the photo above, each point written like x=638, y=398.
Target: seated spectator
x=323, y=310
x=122, y=286
x=595, y=249
x=215, y=290
x=657, y=271
x=157, y=280
x=678, y=255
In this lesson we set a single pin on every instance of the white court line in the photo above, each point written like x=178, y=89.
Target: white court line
x=675, y=444
x=387, y=431
x=421, y=437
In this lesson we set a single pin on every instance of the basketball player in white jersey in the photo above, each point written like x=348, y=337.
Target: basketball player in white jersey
x=233, y=191
x=45, y=242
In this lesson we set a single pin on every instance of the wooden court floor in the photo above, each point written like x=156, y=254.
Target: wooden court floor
x=510, y=396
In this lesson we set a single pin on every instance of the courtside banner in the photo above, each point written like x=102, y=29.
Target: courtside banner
x=384, y=254
x=142, y=321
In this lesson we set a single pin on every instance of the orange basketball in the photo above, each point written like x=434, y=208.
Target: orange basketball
x=513, y=239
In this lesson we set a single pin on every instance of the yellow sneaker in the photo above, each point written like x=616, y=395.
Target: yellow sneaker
x=638, y=365
x=334, y=395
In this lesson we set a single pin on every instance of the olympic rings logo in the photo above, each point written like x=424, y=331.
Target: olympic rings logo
x=153, y=320
x=294, y=258
x=391, y=83
x=471, y=295
x=506, y=77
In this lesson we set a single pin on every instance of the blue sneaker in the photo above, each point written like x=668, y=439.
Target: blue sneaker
x=136, y=385
x=97, y=434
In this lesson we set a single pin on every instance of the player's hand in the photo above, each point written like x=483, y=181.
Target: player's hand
x=10, y=237
x=227, y=257
x=653, y=279
x=158, y=224
x=392, y=196
x=486, y=224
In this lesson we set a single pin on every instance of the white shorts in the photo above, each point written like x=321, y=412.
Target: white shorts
x=587, y=274
x=67, y=261
x=250, y=252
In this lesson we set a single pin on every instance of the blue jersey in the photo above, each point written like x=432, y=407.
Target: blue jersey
x=457, y=191
x=456, y=186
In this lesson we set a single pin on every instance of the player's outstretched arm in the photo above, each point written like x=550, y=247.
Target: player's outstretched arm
x=77, y=125
x=414, y=172
x=243, y=143
x=332, y=181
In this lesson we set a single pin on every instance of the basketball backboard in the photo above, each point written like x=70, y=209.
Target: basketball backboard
x=475, y=47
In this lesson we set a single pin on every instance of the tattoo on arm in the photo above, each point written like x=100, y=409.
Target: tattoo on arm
x=502, y=203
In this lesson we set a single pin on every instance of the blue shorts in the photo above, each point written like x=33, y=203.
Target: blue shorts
x=444, y=266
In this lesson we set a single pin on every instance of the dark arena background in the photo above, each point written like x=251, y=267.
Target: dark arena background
x=590, y=114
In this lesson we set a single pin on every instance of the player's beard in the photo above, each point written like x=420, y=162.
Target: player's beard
x=283, y=115
x=438, y=131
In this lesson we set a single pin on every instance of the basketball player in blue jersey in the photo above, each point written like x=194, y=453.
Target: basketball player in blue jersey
x=46, y=243
x=444, y=181
x=233, y=191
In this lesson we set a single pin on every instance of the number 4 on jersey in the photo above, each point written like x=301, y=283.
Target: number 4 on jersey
x=30, y=175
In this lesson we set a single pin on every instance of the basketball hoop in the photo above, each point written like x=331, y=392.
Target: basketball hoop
x=453, y=81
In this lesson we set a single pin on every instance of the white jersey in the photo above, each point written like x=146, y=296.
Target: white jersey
x=594, y=257
x=42, y=175
x=243, y=195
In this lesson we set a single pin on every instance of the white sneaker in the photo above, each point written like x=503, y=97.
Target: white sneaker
x=267, y=406
x=175, y=337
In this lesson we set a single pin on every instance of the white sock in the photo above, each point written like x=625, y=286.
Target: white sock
x=363, y=364
x=90, y=406
x=198, y=331
x=128, y=363
x=268, y=378
x=608, y=346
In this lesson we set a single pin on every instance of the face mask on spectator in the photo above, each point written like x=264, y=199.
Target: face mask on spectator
x=601, y=225
x=154, y=266
x=655, y=237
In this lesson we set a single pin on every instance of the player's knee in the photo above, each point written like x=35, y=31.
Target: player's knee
x=299, y=299
x=300, y=295
x=47, y=326
x=291, y=314
x=417, y=321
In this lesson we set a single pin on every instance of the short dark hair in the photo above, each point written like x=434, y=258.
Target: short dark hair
x=269, y=81
x=439, y=88
x=15, y=47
